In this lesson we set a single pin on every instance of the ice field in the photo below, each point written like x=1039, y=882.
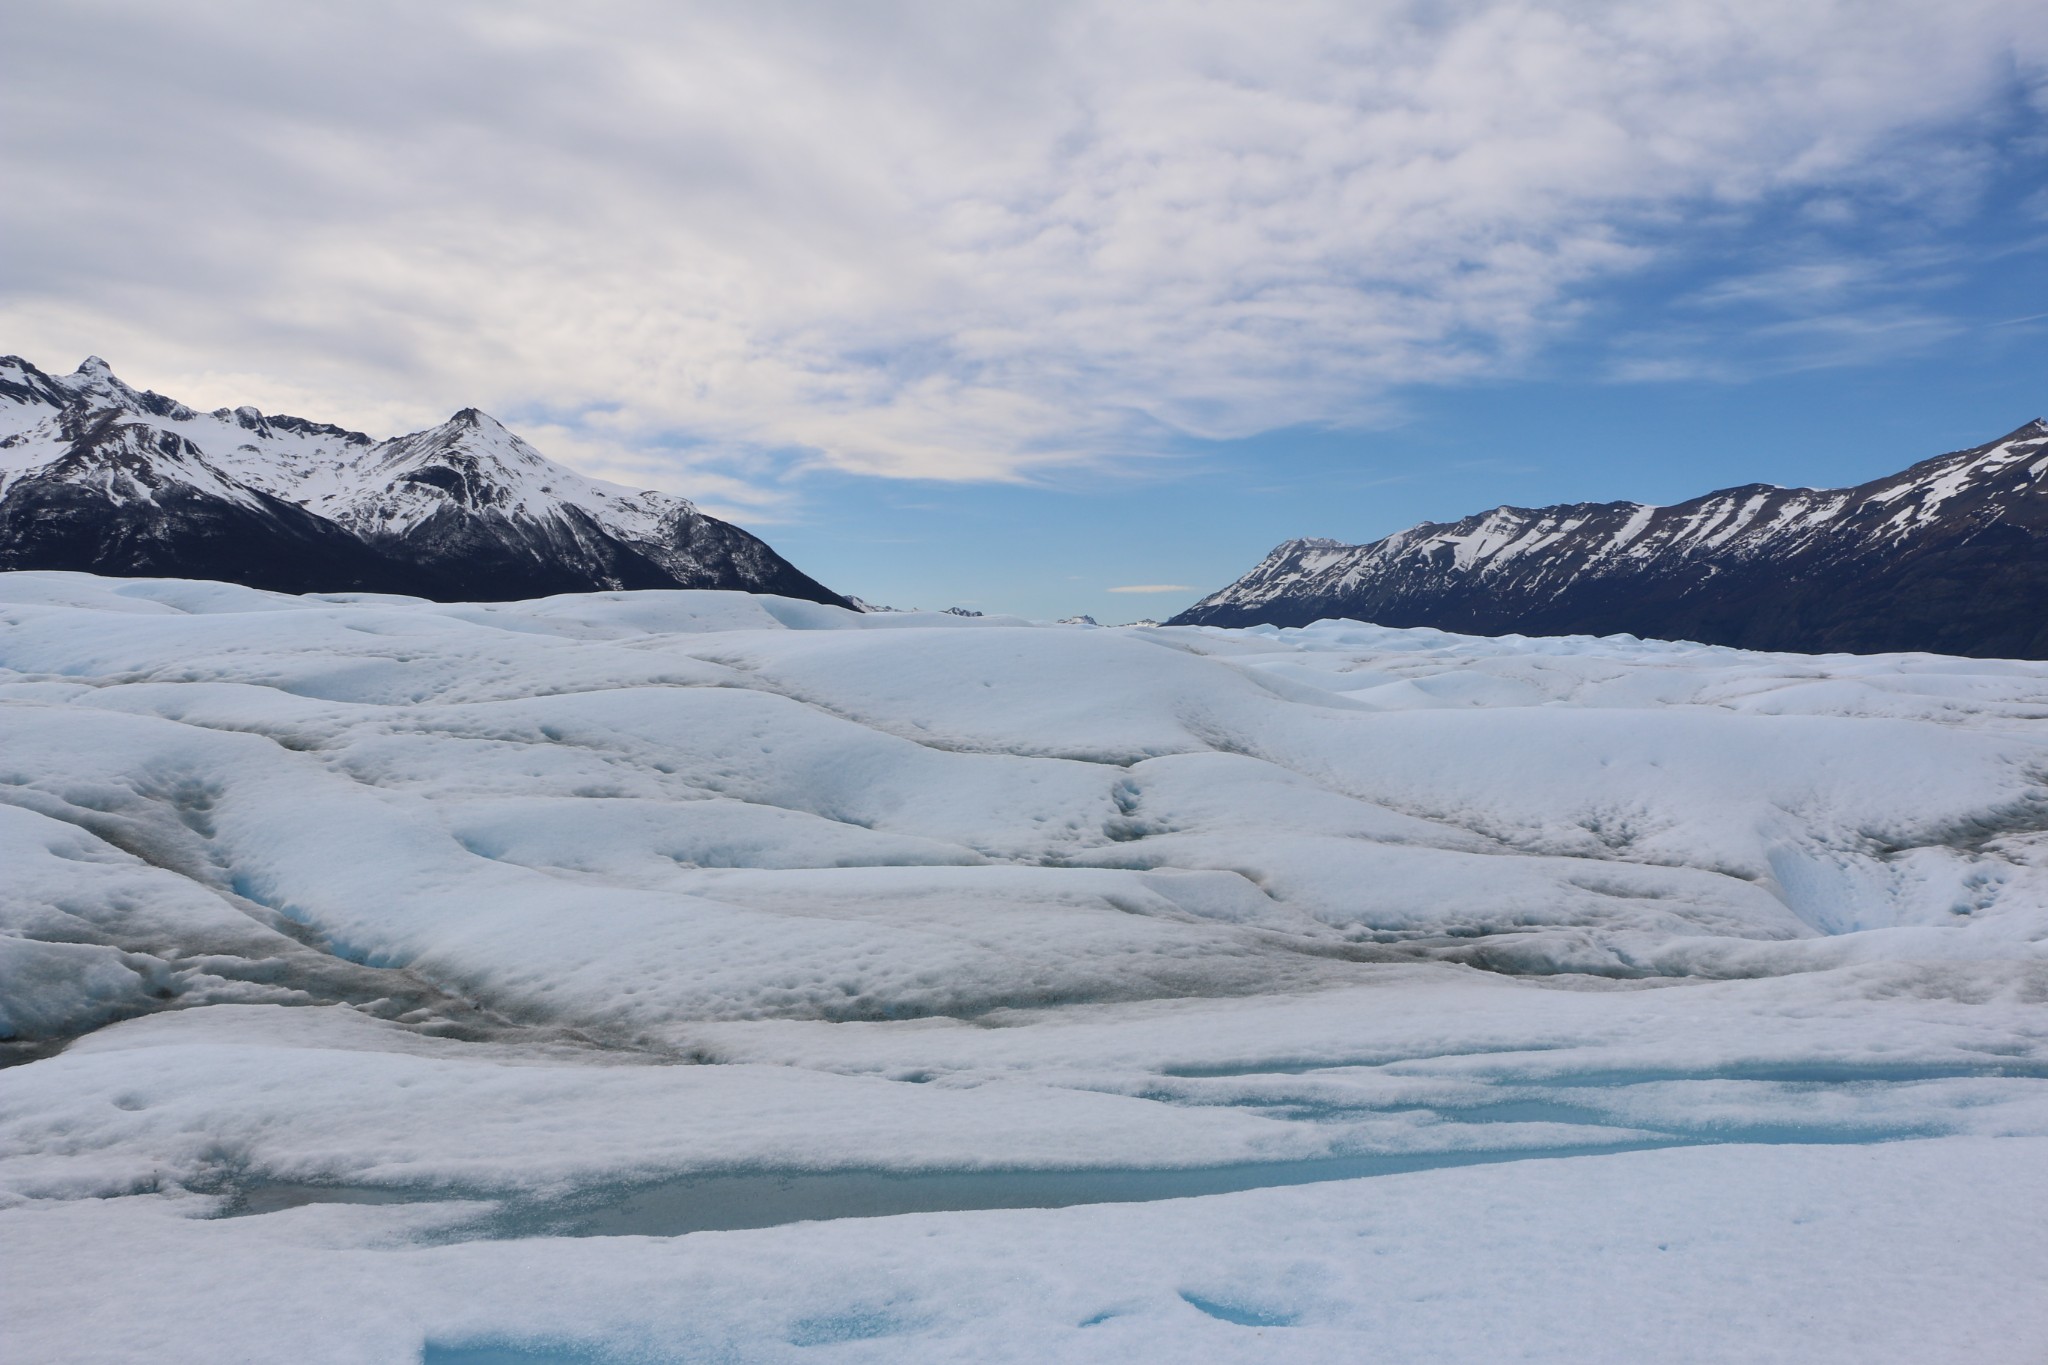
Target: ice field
x=674, y=976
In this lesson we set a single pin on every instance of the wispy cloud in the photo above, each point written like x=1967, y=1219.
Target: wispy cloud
x=715, y=245
x=1822, y=306
x=1154, y=587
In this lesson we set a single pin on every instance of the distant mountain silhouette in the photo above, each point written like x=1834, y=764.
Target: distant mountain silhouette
x=1949, y=556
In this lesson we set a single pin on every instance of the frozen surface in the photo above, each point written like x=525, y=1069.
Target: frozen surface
x=695, y=976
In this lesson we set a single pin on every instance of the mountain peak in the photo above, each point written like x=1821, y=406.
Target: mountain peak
x=95, y=379
x=95, y=375
x=475, y=417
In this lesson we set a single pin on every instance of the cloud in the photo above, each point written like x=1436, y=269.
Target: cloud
x=1154, y=587
x=721, y=244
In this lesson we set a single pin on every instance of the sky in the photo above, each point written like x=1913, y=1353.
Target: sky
x=1058, y=308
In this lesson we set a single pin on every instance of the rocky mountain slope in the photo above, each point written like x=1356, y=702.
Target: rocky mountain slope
x=1950, y=555
x=95, y=475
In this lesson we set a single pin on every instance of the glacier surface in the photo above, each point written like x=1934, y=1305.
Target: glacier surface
x=680, y=976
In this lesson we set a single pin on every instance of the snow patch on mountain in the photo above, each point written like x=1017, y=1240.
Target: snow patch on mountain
x=468, y=501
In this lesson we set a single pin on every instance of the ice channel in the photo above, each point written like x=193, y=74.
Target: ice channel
x=723, y=1201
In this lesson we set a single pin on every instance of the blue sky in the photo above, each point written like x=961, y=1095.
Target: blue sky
x=1941, y=343
x=1011, y=305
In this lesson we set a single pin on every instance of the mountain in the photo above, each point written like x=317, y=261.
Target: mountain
x=98, y=476
x=1949, y=556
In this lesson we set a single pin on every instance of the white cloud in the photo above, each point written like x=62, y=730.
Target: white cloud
x=709, y=245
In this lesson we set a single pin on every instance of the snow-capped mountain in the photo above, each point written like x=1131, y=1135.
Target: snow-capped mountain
x=1950, y=555
x=96, y=475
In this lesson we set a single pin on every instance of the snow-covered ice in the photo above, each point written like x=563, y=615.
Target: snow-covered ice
x=695, y=976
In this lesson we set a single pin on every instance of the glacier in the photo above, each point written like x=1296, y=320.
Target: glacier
x=690, y=975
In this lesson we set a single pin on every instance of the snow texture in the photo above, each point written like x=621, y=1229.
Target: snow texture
x=341, y=475
x=681, y=976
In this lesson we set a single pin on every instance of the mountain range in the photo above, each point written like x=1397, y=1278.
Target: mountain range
x=98, y=476
x=1950, y=555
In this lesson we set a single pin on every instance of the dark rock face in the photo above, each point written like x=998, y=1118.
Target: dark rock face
x=1949, y=556
x=96, y=476
x=184, y=535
